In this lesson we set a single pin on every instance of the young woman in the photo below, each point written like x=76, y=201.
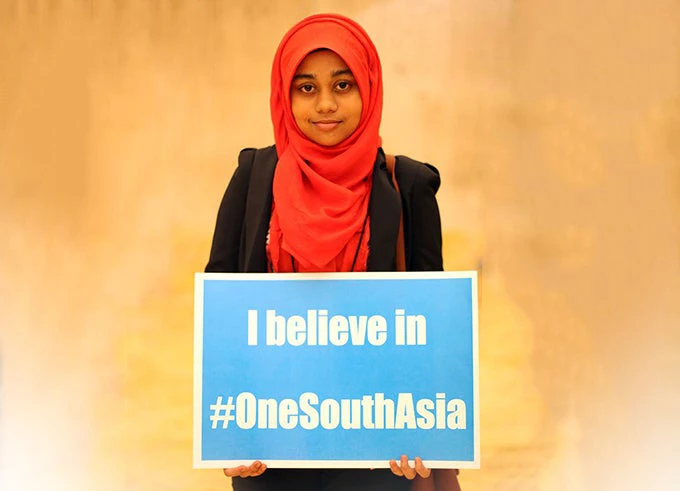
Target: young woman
x=322, y=199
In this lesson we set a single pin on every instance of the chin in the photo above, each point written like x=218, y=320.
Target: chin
x=326, y=142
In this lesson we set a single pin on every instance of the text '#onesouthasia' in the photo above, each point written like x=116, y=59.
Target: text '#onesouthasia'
x=374, y=412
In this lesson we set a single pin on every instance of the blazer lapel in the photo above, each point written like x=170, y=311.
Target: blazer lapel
x=384, y=209
x=258, y=211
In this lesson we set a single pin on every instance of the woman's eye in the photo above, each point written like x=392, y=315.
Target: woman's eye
x=307, y=88
x=344, y=85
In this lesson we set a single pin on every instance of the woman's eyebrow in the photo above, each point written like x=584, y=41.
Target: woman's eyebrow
x=304, y=76
x=342, y=71
x=334, y=73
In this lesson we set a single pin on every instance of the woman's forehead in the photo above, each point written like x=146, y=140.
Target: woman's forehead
x=322, y=59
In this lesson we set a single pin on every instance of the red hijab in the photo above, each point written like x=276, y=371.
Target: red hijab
x=321, y=193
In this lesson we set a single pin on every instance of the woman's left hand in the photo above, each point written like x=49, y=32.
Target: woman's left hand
x=402, y=468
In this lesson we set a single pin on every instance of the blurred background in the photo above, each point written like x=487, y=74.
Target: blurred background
x=556, y=128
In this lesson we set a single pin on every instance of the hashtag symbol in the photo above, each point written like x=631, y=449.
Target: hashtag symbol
x=222, y=412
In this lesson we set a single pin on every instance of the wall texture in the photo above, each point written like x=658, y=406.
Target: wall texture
x=556, y=127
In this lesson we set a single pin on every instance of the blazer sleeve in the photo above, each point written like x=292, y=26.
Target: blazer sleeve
x=226, y=243
x=426, y=227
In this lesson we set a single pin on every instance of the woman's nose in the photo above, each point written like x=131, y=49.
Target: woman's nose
x=326, y=102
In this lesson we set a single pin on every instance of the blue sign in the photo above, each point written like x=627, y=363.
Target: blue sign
x=336, y=370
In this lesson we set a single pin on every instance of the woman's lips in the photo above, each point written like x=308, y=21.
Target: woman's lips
x=328, y=125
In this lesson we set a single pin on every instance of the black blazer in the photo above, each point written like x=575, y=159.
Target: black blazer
x=243, y=217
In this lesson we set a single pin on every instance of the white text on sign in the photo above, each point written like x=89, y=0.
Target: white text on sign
x=371, y=411
x=319, y=328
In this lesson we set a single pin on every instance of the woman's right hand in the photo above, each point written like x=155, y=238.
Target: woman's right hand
x=252, y=470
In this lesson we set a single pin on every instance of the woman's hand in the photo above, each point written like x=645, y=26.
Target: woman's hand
x=402, y=468
x=252, y=470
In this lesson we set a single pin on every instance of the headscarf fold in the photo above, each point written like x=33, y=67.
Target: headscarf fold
x=321, y=193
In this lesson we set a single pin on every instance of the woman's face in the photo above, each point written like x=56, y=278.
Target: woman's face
x=325, y=99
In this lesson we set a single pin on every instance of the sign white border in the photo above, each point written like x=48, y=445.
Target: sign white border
x=199, y=278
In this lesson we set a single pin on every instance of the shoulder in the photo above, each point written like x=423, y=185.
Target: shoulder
x=249, y=157
x=255, y=169
x=413, y=173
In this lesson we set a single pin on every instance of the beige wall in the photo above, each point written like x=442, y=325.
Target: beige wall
x=556, y=128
